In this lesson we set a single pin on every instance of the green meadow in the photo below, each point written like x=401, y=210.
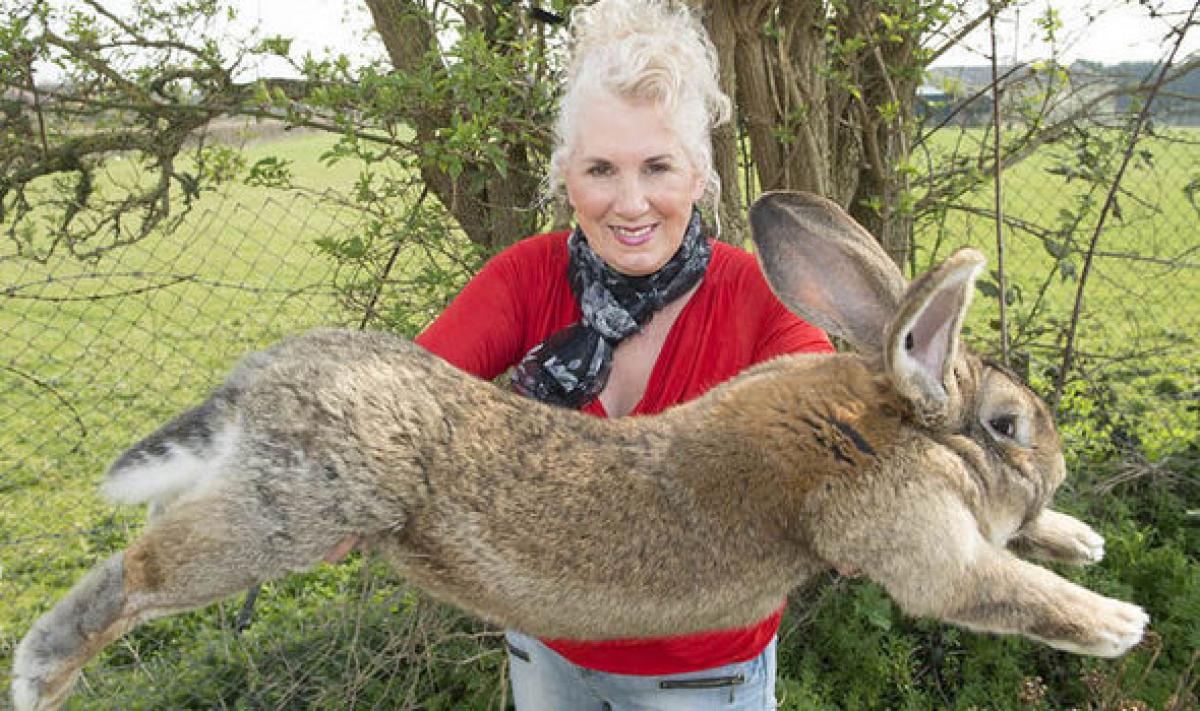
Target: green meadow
x=95, y=354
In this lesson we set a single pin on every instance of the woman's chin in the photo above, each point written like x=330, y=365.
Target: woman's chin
x=638, y=265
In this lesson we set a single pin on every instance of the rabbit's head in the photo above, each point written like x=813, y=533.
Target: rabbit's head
x=829, y=270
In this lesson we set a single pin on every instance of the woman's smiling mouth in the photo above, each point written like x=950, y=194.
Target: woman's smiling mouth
x=633, y=236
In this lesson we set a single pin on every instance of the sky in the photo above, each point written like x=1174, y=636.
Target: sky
x=1108, y=31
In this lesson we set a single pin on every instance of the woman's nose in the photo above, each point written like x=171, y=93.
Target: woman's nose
x=631, y=198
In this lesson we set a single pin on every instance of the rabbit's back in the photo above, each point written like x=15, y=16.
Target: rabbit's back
x=290, y=389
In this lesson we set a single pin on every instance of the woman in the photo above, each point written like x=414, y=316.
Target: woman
x=630, y=313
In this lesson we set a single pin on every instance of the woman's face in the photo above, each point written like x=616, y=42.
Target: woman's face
x=631, y=184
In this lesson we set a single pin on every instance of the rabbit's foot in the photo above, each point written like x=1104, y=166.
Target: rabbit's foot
x=1124, y=626
x=1111, y=628
x=25, y=693
x=1057, y=536
x=1087, y=544
x=31, y=693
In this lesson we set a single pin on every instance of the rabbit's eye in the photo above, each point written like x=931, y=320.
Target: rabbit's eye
x=1004, y=425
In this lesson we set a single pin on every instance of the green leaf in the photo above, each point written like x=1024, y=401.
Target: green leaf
x=1056, y=249
x=270, y=172
x=988, y=288
x=277, y=45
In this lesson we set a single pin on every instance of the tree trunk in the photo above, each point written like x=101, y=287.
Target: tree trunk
x=888, y=71
x=829, y=117
x=719, y=22
x=493, y=210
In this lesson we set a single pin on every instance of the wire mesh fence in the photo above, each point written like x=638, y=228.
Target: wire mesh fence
x=95, y=353
x=1100, y=304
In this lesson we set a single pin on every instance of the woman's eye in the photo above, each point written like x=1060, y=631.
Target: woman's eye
x=1004, y=425
x=600, y=170
x=657, y=168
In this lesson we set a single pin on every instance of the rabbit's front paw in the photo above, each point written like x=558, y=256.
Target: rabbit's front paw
x=1118, y=627
x=1064, y=538
x=1125, y=627
x=1099, y=627
x=1089, y=544
x=27, y=695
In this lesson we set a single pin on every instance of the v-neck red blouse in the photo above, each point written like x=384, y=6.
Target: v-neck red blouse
x=731, y=322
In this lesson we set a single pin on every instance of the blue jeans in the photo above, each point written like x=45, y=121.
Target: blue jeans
x=542, y=680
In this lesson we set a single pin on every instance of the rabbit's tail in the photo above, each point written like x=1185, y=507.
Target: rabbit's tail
x=180, y=456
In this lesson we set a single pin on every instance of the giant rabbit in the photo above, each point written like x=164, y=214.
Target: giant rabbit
x=911, y=460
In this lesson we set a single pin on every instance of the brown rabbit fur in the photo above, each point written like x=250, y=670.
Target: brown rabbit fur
x=912, y=461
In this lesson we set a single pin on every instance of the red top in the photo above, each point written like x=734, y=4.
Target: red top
x=731, y=322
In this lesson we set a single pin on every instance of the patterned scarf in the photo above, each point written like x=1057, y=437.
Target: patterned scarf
x=571, y=367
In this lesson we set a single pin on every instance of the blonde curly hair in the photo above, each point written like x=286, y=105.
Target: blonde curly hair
x=654, y=50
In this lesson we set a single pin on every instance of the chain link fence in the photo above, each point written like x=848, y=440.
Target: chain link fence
x=97, y=352
x=93, y=354
x=1092, y=239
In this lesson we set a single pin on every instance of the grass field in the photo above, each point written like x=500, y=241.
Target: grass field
x=82, y=375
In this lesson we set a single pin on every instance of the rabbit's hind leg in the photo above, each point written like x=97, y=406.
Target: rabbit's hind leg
x=50, y=655
x=198, y=552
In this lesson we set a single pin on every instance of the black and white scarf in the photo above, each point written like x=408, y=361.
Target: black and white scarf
x=571, y=367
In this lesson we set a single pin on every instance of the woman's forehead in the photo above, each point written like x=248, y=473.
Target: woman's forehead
x=620, y=130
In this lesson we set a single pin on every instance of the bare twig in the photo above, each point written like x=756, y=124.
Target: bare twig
x=175, y=279
x=1187, y=681
x=1050, y=133
x=966, y=103
x=369, y=312
x=997, y=194
x=956, y=39
x=37, y=106
x=83, y=431
x=13, y=291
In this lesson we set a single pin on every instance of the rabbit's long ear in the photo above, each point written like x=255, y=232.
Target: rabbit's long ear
x=825, y=267
x=922, y=340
